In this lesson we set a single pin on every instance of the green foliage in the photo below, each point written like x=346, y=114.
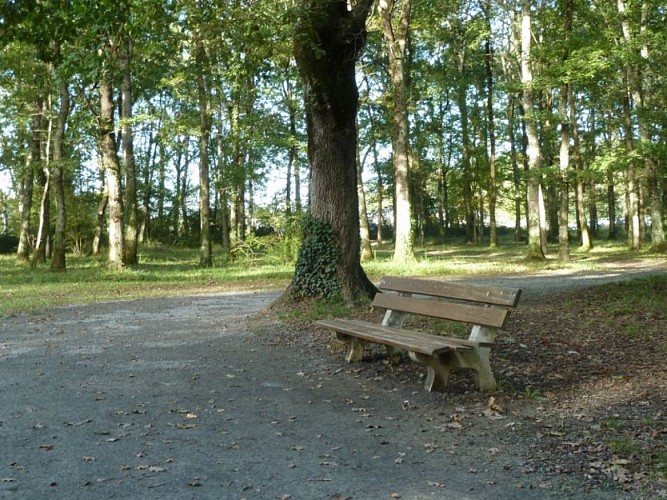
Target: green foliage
x=315, y=273
x=334, y=307
x=533, y=394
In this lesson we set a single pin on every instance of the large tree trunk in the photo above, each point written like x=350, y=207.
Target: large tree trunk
x=328, y=41
x=131, y=231
x=111, y=164
x=58, y=262
x=396, y=42
x=534, y=151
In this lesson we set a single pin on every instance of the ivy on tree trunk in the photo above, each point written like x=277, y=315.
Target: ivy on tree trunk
x=328, y=41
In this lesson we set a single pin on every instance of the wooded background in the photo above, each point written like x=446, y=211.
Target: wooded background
x=137, y=121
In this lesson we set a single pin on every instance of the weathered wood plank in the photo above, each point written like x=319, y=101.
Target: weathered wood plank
x=500, y=296
x=403, y=339
x=466, y=313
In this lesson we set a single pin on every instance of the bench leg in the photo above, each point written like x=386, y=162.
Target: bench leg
x=355, y=348
x=437, y=371
x=478, y=360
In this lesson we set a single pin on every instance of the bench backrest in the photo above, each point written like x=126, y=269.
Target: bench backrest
x=474, y=304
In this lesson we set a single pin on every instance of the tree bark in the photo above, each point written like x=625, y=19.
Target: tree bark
x=131, y=208
x=396, y=43
x=493, y=188
x=564, y=164
x=112, y=173
x=27, y=182
x=58, y=262
x=640, y=90
x=364, y=230
x=205, y=123
x=534, y=151
x=328, y=41
x=40, y=251
x=223, y=189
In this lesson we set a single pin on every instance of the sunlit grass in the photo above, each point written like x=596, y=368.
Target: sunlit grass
x=175, y=271
x=159, y=273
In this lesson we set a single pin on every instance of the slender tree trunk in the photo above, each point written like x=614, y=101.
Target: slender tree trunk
x=131, y=208
x=378, y=172
x=27, y=181
x=223, y=189
x=493, y=188
x=58, y=262
x=99, y=226
x=328, y=41
x=41, y=250
x=145, y=226
x=611, y=205
x=396, y=42
x=564, y=208
x=182, y=188
x=564, y=160
x=205, y=123
x=534, y=151
x=632, y=92
x=237, y=174
x=516, y=174
x=113, y=176
x=364, y=230
x=632, y=199
x=640, y=89
x=586, y=242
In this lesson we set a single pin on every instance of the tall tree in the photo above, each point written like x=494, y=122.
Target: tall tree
x=58, y=262
x=534, y=151
x=493, y=188
x=567, y=8
x=131, y=208
x=205, y=124
x=111, y=163
x=640, y=90
x=328, y=41
x=395, y=30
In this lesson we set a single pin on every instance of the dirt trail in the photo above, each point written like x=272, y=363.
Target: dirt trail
x=175, y=398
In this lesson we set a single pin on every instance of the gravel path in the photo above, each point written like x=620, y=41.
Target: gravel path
x=175, y=398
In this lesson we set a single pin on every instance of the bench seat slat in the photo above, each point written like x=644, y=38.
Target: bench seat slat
x=484, y=316
x=402, y=339
x=500, y=296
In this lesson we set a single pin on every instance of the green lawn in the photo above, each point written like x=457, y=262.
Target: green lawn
x=174, y=271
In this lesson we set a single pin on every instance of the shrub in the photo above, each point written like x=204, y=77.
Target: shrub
x=8, y=243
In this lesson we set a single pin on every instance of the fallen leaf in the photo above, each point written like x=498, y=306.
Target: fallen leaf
x=185, y=426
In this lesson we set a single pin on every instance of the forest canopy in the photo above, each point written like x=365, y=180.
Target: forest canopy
x=181, y=122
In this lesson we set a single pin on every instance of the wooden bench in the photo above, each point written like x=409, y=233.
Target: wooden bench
x=486, y=308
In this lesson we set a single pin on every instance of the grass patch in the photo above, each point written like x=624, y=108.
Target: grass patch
x=160, y=273
x=175, y=271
